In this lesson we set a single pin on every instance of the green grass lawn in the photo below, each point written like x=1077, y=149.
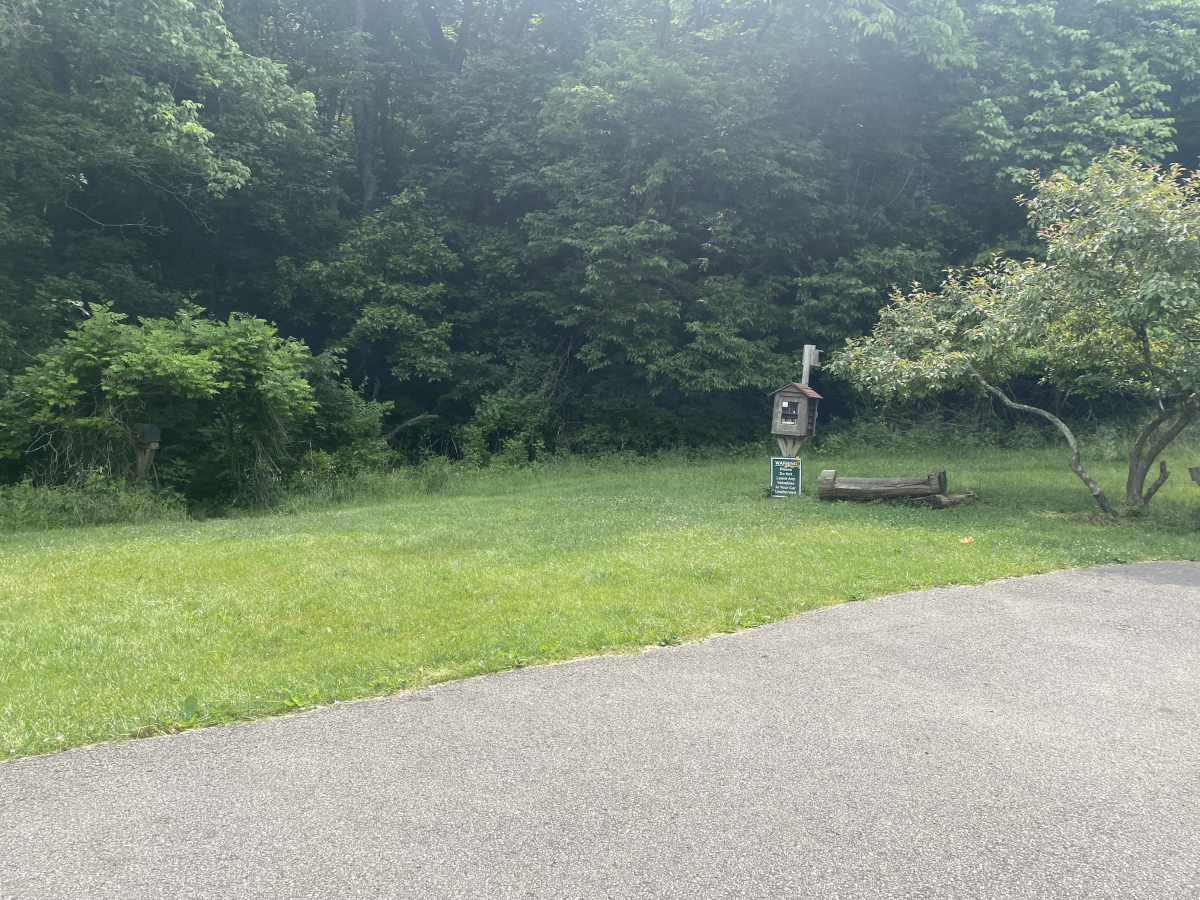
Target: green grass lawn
x=109, y=632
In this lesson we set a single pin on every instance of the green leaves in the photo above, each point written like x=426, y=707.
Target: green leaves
x=1115, y=308
x=75, y=410
x=113, y=95
x=382, y=289
x=934, y=29
x=191, y=708
x=1061, y=81
x=656, y=158
x=927, y=343
x=1082, y=321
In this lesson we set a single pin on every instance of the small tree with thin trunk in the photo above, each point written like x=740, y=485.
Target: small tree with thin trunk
x=1114, y=308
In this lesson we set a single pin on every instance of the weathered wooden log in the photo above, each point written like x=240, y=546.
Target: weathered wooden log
x=830, y=487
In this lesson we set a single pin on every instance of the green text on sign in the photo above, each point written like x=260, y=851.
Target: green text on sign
x=785, y=476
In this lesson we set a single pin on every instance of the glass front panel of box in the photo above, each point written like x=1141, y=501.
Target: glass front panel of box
x=790, y=413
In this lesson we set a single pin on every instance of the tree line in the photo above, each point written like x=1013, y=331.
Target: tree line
x=281, y=228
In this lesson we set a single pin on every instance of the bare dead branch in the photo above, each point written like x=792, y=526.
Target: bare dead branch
x=413, y=421
x=142, y=226
x=1163, y=475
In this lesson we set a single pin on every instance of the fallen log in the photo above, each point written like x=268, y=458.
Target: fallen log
x=830, y=487
x=1194, y=471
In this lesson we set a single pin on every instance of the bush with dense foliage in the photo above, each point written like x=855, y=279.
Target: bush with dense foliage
x=236, y=401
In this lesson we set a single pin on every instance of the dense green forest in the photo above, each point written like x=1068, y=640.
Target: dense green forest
x=279, y=229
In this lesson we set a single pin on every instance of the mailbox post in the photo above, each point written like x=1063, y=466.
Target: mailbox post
x=794, y=417
x=147, y=437
x=793, y=420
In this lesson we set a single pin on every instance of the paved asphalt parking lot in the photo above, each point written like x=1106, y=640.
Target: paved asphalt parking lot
x=1038, y=737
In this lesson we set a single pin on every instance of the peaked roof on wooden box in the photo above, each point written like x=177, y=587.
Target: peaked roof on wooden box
x=802, y=388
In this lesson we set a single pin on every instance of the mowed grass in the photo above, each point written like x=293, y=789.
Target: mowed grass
x=113, y=632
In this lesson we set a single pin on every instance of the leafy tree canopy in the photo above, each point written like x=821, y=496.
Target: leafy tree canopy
x=579, y=223
x=1114, y=307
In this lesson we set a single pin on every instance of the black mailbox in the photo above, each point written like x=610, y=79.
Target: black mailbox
x=147, y=434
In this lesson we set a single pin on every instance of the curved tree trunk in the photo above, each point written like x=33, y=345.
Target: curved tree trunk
x=1076, y=466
